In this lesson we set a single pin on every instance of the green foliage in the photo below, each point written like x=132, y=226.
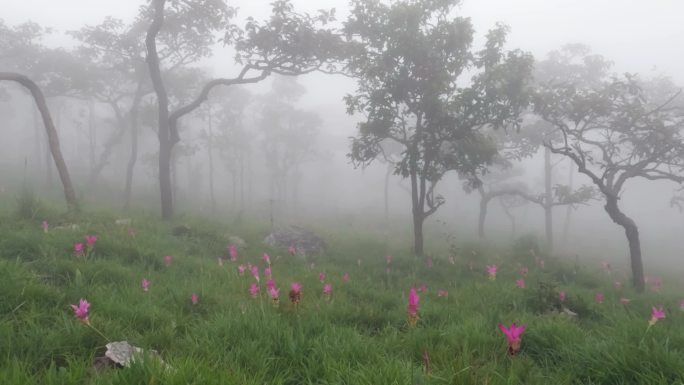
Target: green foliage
x=359, y=336
x=29, y=206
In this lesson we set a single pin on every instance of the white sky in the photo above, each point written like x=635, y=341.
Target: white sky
x=638, y=35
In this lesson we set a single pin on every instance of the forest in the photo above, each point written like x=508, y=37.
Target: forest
x=373, y=192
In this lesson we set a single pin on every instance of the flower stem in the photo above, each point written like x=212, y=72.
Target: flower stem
x=98, y=332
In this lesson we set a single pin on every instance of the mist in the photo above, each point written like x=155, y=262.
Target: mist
x=278, y=150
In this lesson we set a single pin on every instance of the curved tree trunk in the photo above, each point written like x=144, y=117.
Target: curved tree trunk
x=53, y=139
x=103, y=160
x=632, y=233
x=484, y=201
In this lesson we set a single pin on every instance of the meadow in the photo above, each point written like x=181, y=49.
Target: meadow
x=581, y=327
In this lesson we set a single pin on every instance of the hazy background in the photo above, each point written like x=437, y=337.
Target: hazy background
x=639, y=37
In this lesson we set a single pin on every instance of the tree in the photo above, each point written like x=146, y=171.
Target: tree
x=53, y=141
x=408, y=60
x=613, y=132
x=288, y=44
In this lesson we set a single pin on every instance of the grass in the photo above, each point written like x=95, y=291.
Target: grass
x=359, y=336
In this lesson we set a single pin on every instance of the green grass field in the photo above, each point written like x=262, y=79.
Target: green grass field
x=359, y=336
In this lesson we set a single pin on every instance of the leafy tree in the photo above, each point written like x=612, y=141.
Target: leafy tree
x=615, y=131
x=409, y=60
x=289, y=44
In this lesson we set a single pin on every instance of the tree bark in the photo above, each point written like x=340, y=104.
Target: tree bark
x=103, y=160
x=133, y=156
x=632, y=233
x=210, y=144
x=53, y=139
x=548, y=199
x=568, y=209
x=484, y=201
x=165, y=142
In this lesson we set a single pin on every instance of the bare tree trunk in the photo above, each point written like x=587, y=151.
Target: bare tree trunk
x=511, y=217
x=210, y=144
x=133, y=156
x=484, y=201
x=53, y=139
x=568, y=209
x=632, y=233
x=388, y=174
x=418, y=216
x=548, y=199
x=92, y=134
x=116, y=137
x=165, y=140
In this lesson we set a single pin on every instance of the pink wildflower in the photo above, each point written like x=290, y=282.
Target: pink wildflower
x=513, y=336
x=327, y=290
x=254, y=289
x=274, y=293
x=321, y=276
x=267, y=272
x=561, y=296
x=423, y=288
x=45, y=226
x=270, y=284
x=681, y=305
x=656, y=314
x=167, y=260
x=145, y=284
x=255, y=272
x=598, y=297
x=345, y=278
x=442, y=293
x=194, y=298
x=413, y=301
x=292, y=250
x=81, y=311
x=232, y=252
x=520, y=283
x=90, y=240
x=241, y=269
x=266, y=258
x=491, y=270
x=78, y=249
x=296, y=292
x=131, y=232
x=389, y=259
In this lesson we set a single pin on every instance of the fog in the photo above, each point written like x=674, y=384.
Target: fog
x=278, y=149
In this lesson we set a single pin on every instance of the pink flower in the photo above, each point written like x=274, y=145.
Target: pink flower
x=90, y=240
x=598, y=297
x=78, y=249
x=254, y=289
x=624, y=301
x=513, y=336
x=442, y=293
x=656, y=314
x=255, y=272
x=413, y=301
x=267, y=272
x=321, y=276
x=241, y=269
x=194, y=298
x=232, y=251
x=145, y=284
x=345, y=278
x=524, y=270
x=274, y=293
x=520, y=283
x=131, y=232
x=167, y=260
x=327, y=290
x=561, y=296
x=296, y=292
x=423, y=288
x=491, y=270
x=389, y=259
x=681, y=305
x=81, y=311
x=270, y=284
x=45, y=226
x=266, y=258
x=292, y=250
